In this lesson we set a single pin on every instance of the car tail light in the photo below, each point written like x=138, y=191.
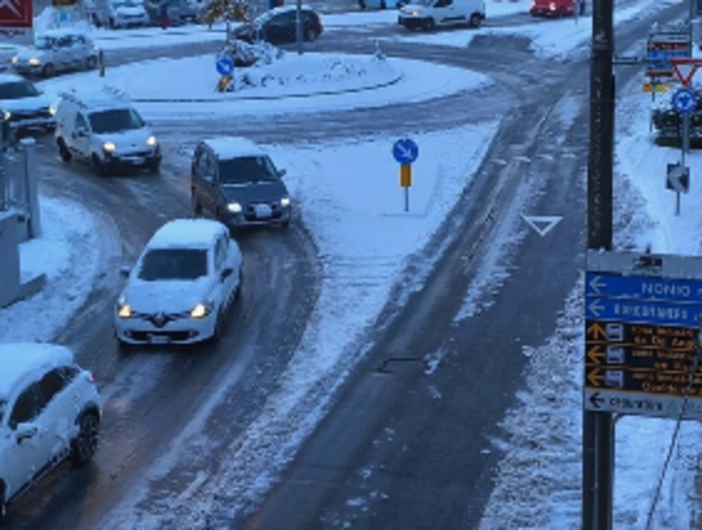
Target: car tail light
x=91, y=378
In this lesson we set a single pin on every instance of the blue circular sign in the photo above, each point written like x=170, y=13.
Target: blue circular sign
x=225, y=66
x=405, y=151
x=684, y=101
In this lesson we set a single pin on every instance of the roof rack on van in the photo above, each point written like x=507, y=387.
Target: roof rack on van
x=121, y=94
x=73, y=97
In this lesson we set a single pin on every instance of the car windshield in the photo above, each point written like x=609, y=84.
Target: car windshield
x=44, y=42
x=263, y=18
x=18, y=90
x=173, y=264
x=115, y=120
x=126, y=3
x=247, y=169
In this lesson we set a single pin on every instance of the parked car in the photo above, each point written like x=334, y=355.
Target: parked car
x=235, y=181
x=552, y=8
x=182, y=286
x=279, y=26
x=56, y=51
x=23, y=106
x=382, y=4
x=429, y=14
x=177, y=12
x=50, y=410
x=116, y=13
x=105, y=130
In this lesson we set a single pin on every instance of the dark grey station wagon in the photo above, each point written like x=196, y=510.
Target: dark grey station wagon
x=236, y=182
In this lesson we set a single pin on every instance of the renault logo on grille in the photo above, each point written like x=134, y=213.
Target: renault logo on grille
x=160, y=319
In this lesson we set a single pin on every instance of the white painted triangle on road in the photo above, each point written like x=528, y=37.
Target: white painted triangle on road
x=542, y=224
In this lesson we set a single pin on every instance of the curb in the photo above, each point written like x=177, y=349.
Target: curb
x=271, y=97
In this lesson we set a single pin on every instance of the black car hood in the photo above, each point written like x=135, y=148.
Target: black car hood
x=255, y=192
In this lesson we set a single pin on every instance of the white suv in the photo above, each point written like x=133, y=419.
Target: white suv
x=182, y=286
x=57, y=50
x=103, y=129
x=49, y=411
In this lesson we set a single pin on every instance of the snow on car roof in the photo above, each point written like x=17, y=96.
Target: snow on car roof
x=186, y=233
x=96, y=99
x=20, y=360
x=10, y=78
x=61, y=32
x=227, y=147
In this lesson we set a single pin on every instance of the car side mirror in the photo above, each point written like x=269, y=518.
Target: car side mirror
x=282, y=172
x=25, y=431
x=226, y=273
x=125, y=271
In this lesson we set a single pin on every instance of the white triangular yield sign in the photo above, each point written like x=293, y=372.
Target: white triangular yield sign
x=543, y=224
x=685, y=71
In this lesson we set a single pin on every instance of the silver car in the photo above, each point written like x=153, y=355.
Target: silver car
x=55, y=51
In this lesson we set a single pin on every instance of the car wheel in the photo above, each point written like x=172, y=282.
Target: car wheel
x=154, y=167
x=64, y=153
x=383, y=5
x=286, y=223
x=86, y=442
x=48, y=70
x=428, y=24
x=112, y=24
x=98, y=167
x=311, y=34
x=91, y=63
x=96, y=21
x=475, y=20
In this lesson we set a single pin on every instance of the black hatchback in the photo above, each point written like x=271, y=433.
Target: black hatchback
x=279, y=26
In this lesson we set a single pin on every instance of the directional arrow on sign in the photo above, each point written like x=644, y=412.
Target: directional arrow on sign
x=596, y=400
x=678, y=178
x=595, y=354
x=596, y=331
x=596, y=284
x=595, y=307
x=595, y=377
x=543, y=224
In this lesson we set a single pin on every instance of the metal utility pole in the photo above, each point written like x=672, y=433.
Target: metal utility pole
x=298, y=27
x=598, y=427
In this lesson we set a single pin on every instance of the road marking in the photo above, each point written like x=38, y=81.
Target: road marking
x=194, y=485
x=543, y=224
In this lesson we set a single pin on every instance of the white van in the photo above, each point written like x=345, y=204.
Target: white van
x=428, y=14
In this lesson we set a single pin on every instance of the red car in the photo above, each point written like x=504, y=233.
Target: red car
x=553, y=8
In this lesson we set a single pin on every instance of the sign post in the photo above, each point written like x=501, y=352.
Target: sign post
x=685, y=102
x=225, y=68
x=405, y=151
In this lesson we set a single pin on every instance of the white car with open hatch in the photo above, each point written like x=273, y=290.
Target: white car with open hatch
x=182, y=285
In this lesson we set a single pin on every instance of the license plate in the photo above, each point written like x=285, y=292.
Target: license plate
x=263, y=211
x=137, y=160
x=159, y=339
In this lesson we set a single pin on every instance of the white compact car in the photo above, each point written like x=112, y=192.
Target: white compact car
x=116, y=13
x=55, y=51
x=182, y=285
x=103, y=129
x=49, y=411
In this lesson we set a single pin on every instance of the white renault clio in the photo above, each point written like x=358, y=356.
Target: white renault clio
x=182, y=285
x=49, y=411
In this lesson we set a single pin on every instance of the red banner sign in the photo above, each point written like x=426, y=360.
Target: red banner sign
x=16, y=20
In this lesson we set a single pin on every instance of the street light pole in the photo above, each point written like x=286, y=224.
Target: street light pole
x=598, y=427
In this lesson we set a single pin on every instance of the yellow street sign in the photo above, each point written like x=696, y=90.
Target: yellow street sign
x=224, y=82
x=406, y=175
x=655, y=87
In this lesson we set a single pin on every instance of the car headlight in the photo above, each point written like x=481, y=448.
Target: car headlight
x=200, y=311
x=6, y=114
x=234, y=207
x=15, y=60
x=34, y=61
x=52, y=110
x=124, y=311
x=109, y=147
x=285, y=201
x=151, y=141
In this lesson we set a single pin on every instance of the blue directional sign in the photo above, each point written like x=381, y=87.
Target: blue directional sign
x=643, y=288
x=643, y=312
x=684, y=101
x=225, y=66
x=405, y=151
